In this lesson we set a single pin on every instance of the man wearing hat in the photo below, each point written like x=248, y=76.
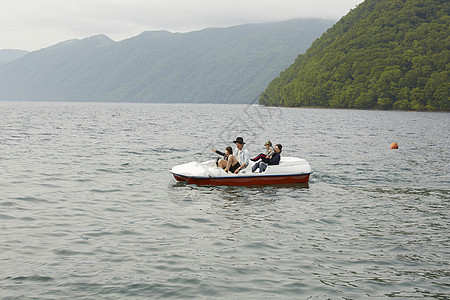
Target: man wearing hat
x=241, y=153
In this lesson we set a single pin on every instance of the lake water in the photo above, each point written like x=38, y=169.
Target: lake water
x=88, y=209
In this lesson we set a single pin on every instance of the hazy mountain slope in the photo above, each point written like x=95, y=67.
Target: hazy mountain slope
x=232, y=64
x=8, y=55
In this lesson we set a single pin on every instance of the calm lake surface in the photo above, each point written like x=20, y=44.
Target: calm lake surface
x=88, y=209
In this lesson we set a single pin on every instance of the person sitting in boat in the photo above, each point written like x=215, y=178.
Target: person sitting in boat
x=229, y=162
x=274, y=160
x=269, y=152
x=238, y=162
x=242, y=154
x=225, y=155
x=242, y=157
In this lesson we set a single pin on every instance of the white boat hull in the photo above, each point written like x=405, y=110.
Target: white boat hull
x=290, y=170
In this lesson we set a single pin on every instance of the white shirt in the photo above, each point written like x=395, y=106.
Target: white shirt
x=242, y=156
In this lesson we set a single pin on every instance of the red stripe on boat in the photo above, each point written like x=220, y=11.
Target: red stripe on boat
x=245, y=180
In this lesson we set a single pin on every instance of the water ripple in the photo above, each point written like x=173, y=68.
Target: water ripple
x=89, y=209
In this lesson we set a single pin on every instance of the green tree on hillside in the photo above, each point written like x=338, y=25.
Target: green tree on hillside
x=388, y=54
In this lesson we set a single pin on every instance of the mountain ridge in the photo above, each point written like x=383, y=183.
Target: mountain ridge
x=8, y=55
x=218, y=65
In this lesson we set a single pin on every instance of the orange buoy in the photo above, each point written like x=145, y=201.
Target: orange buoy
x=394, y=146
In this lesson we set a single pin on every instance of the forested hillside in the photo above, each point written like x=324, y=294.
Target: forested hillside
x=218, y=65
x=384, y=54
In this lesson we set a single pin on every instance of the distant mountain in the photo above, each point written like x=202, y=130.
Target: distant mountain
x=384, y=54
x=221, y=65
x=8, y=55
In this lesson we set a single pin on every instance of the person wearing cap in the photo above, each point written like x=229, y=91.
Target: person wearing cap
x=274, y=160
x=269, y=152
x=242, y=155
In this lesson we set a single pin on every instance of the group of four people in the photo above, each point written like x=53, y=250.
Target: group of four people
x=235, y=163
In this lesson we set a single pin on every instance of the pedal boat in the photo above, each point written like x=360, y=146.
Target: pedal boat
x=291, y=170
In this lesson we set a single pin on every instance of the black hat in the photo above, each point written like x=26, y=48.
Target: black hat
x=239, y=140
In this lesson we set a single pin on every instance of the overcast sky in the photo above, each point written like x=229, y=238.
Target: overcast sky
x=34, y=24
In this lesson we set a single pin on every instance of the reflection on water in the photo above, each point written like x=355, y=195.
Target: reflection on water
x=181, y=191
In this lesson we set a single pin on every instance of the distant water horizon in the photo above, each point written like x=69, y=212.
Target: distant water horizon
x=253, y=102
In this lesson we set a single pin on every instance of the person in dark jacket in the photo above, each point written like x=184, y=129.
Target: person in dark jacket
x=225, y=155
x=274, y=160
x=228, y=161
